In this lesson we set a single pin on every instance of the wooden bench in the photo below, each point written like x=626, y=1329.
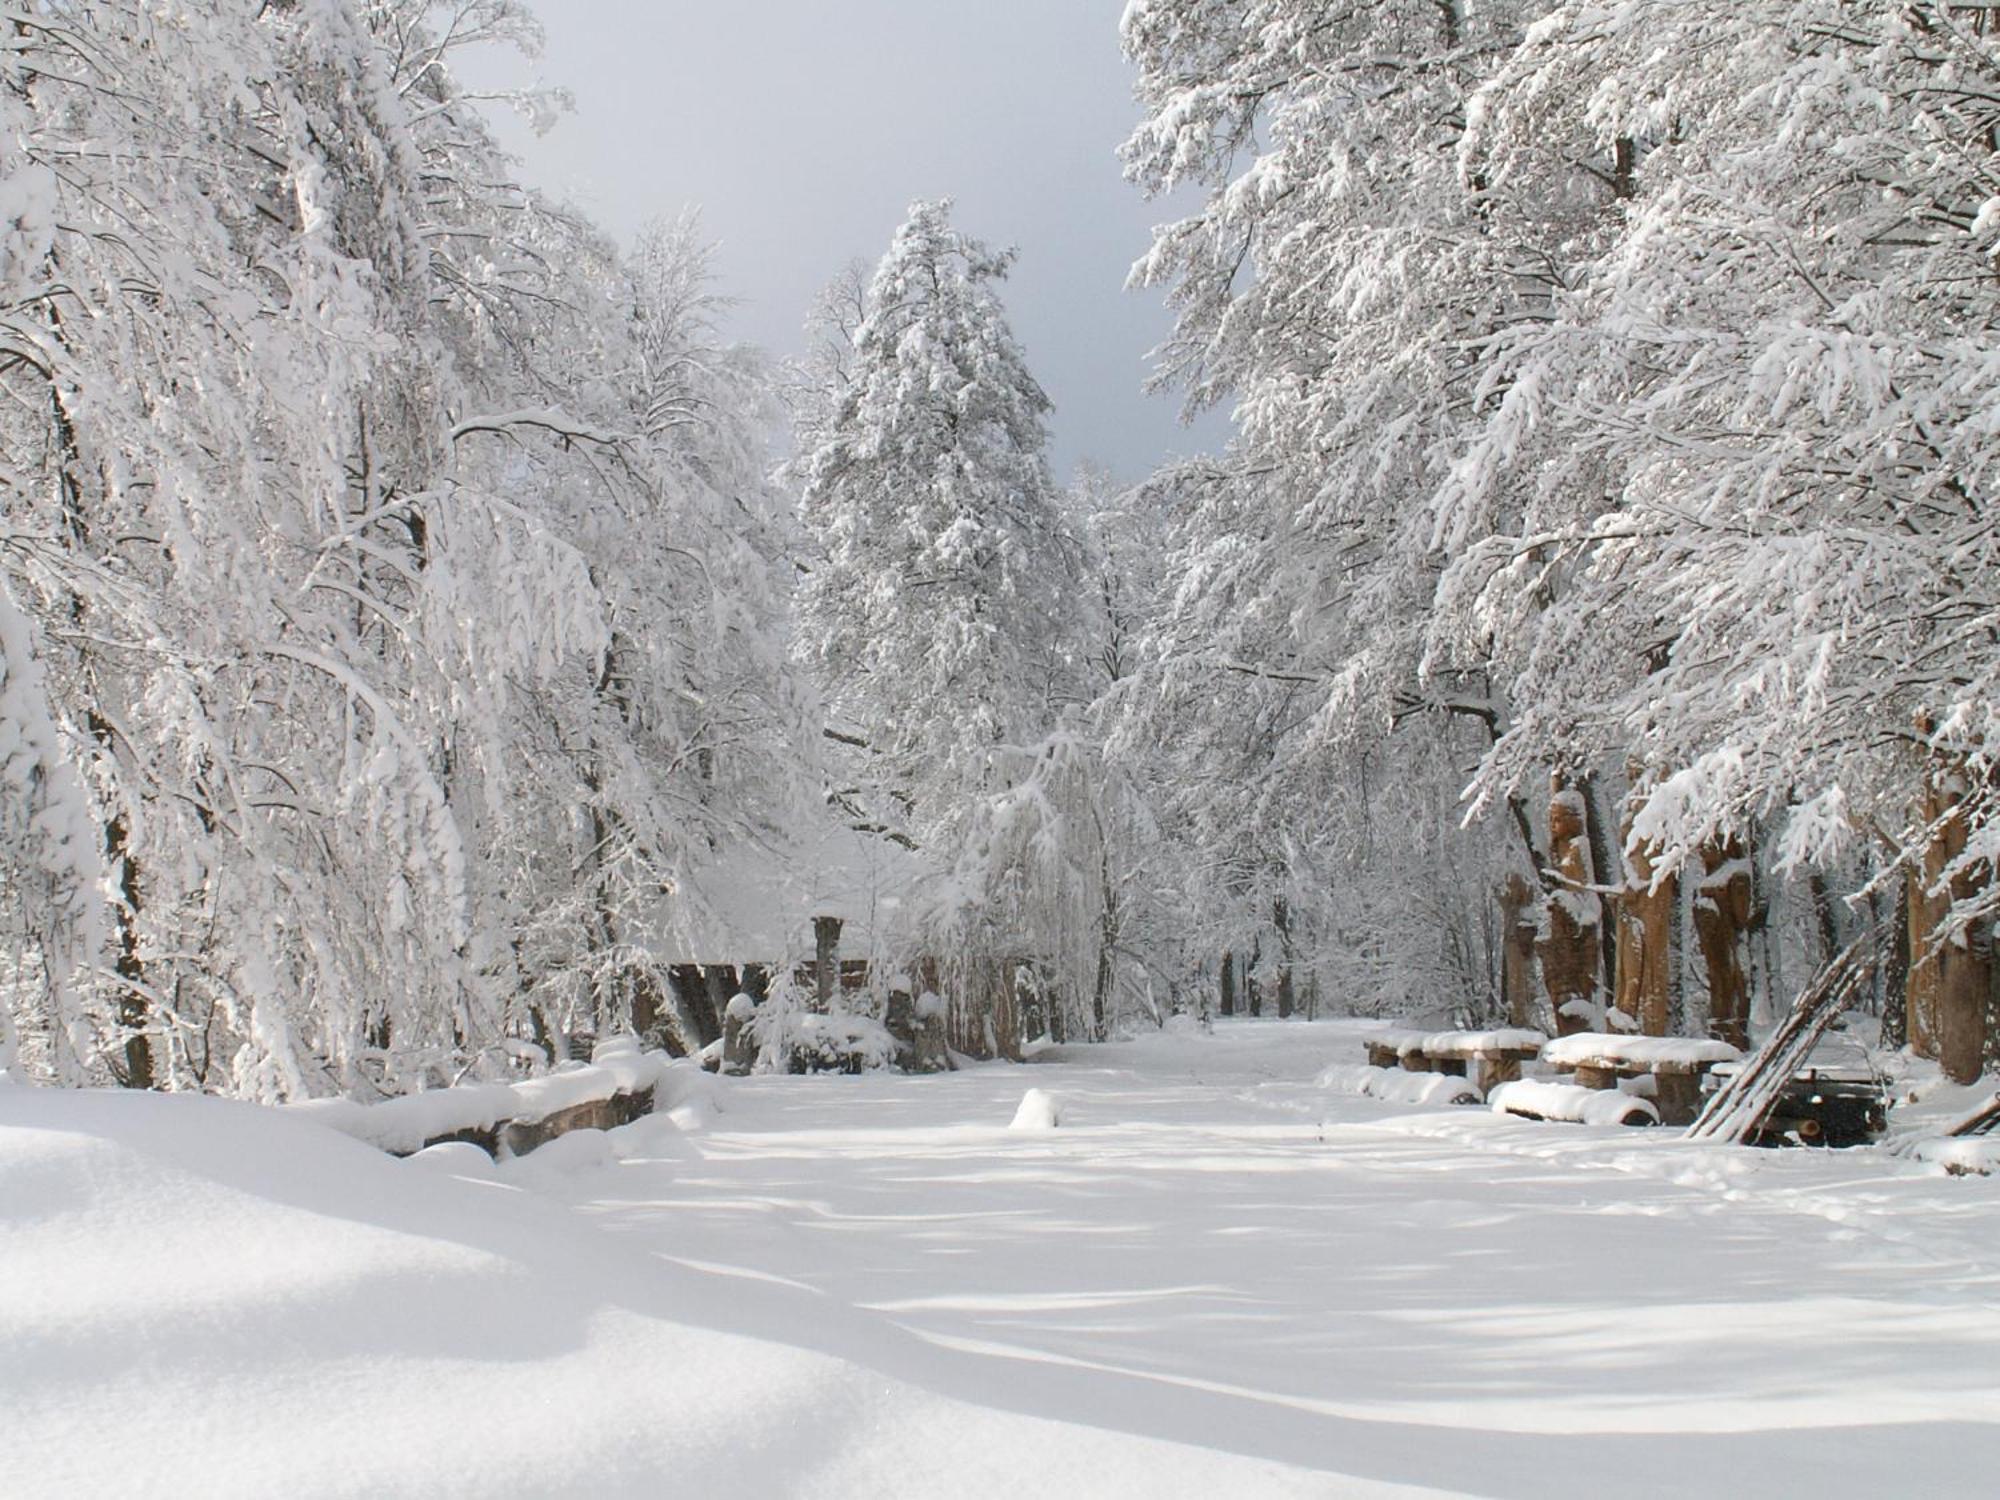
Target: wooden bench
x=1398, y=1049
x=1486, y=1057
x=1675, y=1065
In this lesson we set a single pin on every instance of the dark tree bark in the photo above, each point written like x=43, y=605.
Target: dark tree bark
x=1517, y=950
x=1281, y=918
x=826, y=962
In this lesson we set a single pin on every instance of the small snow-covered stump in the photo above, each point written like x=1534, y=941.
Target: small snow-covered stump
x=1039, y=1110
x=1676, y=1065
x=1960, y=1156
x=739, y=1042
x=928, y=1015
x=900, y=1017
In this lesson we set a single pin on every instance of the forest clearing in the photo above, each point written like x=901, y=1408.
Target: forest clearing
x=1212, y=1277
x=1214, y=747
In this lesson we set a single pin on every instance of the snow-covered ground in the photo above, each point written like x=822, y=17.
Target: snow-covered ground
x=1212, y=1278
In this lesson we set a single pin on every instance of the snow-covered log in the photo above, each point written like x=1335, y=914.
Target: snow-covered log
x=1534, y=1100
x=1394, y=1086
x=513, y=1118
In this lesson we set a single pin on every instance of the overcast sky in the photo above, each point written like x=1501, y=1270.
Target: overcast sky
x=803, y=128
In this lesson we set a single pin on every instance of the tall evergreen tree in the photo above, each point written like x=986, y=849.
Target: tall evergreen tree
x=931, y=613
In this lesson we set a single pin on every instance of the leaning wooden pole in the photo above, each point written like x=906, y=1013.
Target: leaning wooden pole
x=1736, y=1111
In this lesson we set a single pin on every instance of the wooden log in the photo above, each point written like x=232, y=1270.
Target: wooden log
x=519, y=1137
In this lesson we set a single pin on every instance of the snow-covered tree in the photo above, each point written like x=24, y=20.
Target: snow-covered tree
x=345, y=569
x=1739, y=474
x=1336, y=282
x=940, y=572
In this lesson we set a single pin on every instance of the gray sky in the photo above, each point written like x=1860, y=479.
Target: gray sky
x=803, y=128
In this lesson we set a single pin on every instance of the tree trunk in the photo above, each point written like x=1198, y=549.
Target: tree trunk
x=133, y=1009
x=1569, y=946
x=1229, y=984
x=1602, y=868
x=1645, y=938
x=1721, y=924
x=1517, y=950
x=1281, y=917
x=1951, y=975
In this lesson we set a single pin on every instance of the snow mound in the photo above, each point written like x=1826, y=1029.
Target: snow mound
x=841, y=1043
x=273, y=1308
x=1040, y=1110
x=1394, y=1086
x=692, y=1115
x=1961, y=1156
x=459, y=1158
x=1636, y=1051
x=1566, y=1101
x=567, y=1156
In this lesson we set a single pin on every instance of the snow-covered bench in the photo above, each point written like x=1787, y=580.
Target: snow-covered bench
x=1488, y=1057
x=1674, y=1064
x=1387, y=1049
x=619, y=1084
x=1494, y=1057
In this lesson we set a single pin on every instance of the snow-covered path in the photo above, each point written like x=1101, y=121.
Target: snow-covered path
x=1211, y=1249
x=1213, y=1279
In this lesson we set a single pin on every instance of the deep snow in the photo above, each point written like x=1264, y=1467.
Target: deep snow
x=1213, y=1279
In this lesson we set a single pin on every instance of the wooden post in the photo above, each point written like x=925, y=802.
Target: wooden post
x=826, y=962
x=739, y=1047
x=1645, y=937
x=1517, y=950
x=1281, y=917
x=1721, y=925
x=1568, y=947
